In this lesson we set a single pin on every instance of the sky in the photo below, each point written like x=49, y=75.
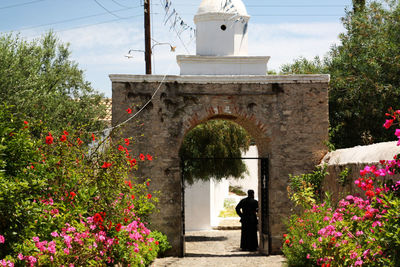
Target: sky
x=101, y=32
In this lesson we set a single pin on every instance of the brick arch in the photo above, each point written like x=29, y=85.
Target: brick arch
x=286, y=115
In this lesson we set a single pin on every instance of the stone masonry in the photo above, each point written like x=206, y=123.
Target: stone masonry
x=286, y=115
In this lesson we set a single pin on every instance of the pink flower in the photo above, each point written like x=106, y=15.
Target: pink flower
x=358, y=263
x=388, y=123
x=358, y=233
x=54, y=234
x=353, y=255
x=397, y=133
x=35, y=239
x=66, y=251
x=301, y=241
x=32, y=260
x=308, y=256
x=20, y=256
x=2, y=239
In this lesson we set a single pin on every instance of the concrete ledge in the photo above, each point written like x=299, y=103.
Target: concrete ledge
x=223, y=79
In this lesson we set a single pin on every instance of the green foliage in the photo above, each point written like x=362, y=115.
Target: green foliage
x=229, y=209
x=40, y=81
x=343, y=178
x=364, y=71
x=214, y=139
x=238, y=190
x=305, y=66
x=304, y=189
x=55, y=186
x=162, y=240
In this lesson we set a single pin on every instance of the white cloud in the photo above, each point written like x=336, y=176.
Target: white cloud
x=288, y=41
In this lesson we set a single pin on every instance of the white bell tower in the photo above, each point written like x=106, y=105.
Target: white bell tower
x=222, y=42
x=219, y=32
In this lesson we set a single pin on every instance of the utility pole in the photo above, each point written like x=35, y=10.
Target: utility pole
x=147, y=36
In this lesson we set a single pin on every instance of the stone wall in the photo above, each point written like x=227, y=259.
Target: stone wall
x=354, y=159
x=286, y=115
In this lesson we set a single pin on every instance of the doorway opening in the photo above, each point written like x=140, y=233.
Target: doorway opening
x=211, y=205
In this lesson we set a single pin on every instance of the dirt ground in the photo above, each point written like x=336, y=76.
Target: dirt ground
x=218, y=248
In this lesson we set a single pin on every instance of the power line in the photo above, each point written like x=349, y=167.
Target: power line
x=22, y=4
x=90, y=25
x=290, y=15
x=119, y=4
x=70, y=20
x=344, y=5
x=108, y=11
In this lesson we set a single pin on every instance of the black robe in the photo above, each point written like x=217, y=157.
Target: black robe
x=247, y=210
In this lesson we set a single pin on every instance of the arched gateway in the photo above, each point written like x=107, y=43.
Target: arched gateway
x=287, y=116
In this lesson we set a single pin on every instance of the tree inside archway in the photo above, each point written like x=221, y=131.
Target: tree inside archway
x=212, y=150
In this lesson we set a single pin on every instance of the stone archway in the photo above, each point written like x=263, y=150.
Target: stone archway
x=286, y=115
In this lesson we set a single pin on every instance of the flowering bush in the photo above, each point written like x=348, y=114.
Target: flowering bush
x=64, y=202
x=358, y=231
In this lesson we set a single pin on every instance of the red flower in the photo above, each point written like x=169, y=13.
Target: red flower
x=25, y=122
x=126, y=141
x=32, y=167
x=133, y=196
x=149, y=157
x=121, y=148
x=79, y=141
x=98, y=218
x=287, y=241
x=129, y=110
x=49, y=139
x=73, y=194
x=132, y=162
x=118, y=227
x=93, y=137
x=106, y=165
x=63, y=138
x=369, y=193
x=141, y=156
x=148, y=196
x=66, y=133
x=147, y=183
x=156, y=242
x=129, y=183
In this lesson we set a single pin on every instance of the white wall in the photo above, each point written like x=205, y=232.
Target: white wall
x=251, y=180
x=219, y=192
x=205, y=200
x=197, y=206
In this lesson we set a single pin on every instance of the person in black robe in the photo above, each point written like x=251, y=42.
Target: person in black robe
x=247, y=210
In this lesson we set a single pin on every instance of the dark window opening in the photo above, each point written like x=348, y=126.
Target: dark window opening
x=223, y=27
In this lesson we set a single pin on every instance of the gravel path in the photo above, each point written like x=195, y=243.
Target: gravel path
x=218, y=248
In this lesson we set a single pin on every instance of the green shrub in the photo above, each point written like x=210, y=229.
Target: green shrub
x=64, y=202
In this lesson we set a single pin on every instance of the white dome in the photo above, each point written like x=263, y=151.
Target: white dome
x=217, y=6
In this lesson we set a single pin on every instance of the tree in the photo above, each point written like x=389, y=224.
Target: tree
x=365, y=70
x=213, y=150
x=40, y=81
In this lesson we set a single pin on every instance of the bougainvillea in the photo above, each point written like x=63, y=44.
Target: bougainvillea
x=360, y=230
x=67, y=203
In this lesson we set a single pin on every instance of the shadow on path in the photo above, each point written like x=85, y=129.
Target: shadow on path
x=192, y=238
x=224, y=255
